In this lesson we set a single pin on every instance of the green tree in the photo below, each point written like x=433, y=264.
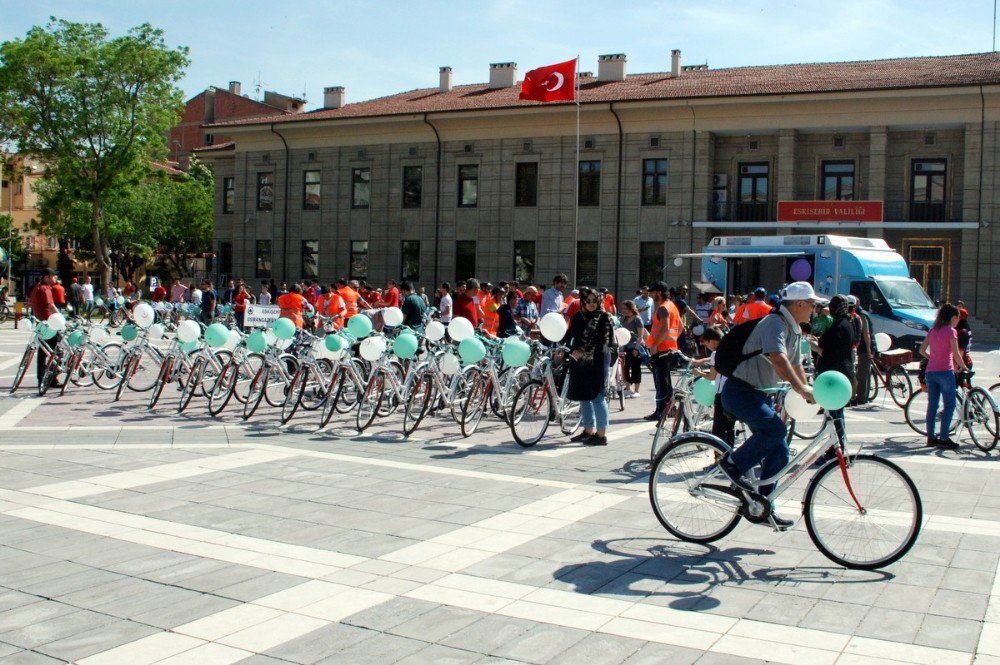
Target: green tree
x=95, y=108
x=190, y=231
x=11, y=244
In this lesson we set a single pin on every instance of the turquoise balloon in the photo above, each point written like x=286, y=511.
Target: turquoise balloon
x=405, y=346
x=334, y=343
x=45, y=332
x=284, y=328
x=804, y=346
x=471, y=350
x=360, y=326
x=216, y=335
x=188, y=347
x=76, y=338
x=515, y=353
x=704, y=392
x=129, y=333
x=832, y=390
x=98, y=302
x=257, y=341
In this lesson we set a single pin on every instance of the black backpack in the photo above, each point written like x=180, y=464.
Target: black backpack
x=729, y=354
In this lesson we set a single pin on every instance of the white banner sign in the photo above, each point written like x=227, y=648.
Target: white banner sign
x=261, y=316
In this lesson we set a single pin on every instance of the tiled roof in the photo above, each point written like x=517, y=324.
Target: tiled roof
x=924, y=72
x=218, y=147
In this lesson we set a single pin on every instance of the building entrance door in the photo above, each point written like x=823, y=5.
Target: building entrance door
x=928, y=262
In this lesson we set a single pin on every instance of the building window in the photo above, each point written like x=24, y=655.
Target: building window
x=226, y=258
x=928, y=180
x=838, y=181
x=265, y=191
x=410, y=261
x=524, y=261
x=468, y=185
x=413, y=186
x=465, y=259
x=51, y=243
x=650, y=262
x=359, y=259
x=228, y=195
x=361, y=187
x=586, y=263
x=263, y=258
x=654, y=182
x=311, y=190
x=310, y=259
x=29, y=243
x=752, y=206
x=590, y=183
x=526, y=184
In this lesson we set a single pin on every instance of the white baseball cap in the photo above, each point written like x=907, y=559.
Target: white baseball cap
x=801, y=291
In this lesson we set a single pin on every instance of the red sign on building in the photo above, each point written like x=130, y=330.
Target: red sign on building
x=830, y=211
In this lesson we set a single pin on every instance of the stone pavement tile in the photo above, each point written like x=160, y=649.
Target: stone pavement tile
x=320, y=643
x=891, y=625
x=262, y=660
x=11, y=599
x=29, y=658
x=959, y=604
x=598, y=649
x=586, y=578
x=388, y=615
x=659, y=654
x=381, y=648
x=834, y=617
x=974, y=581
x=905, y=597
x=49, y=571
x=972, y=541
x=779, y=608
x=975, y=559
x=223, y=577
x=949, y=633
x=26, y=615
x=733, y=601
x=862, y=593
x=437, y=624
x=497, y=660
x=49, y=630
x=87, y=643
x=441, y=655
x=489, y=633
x=151, y=599
x=260, y=586
x=727, y=659
x=541, y=643
x=185, y=611
x=153, y=560
x=70, y=583
x=196, y=567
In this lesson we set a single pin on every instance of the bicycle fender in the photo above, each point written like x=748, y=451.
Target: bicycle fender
x=685, y=436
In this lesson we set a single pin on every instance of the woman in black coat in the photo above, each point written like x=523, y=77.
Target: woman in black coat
x=835, y=349
x=591, y=341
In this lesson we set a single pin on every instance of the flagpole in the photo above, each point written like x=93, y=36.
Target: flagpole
x=576, y=172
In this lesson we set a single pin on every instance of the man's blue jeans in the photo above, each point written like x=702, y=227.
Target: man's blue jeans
x=768, y=445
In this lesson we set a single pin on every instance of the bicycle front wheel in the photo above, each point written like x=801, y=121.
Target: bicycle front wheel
x=294, y=399
x=687, y=490
x=371, y=400
x=419, y=402
x=868, y=521
x=472, y=411
x=916, y=413
x=899, y=384
x=191, y=386
x=981, y=419
x=530, y=413
x=22, y=368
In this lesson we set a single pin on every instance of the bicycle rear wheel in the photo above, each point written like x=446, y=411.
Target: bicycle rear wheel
x=128, y=369
x=981, y=419
x=419, y=403
x=916, y=413
x=294, y=399
x=106, y=366
x=223, y=389
x=472, y=412
x=255, y=393
x=687, y=490
x=899, y=385
x=22, y=368
x=879, y=533
x=530, y=413
x=191, y=386
x=371, y=400
x=166, y=369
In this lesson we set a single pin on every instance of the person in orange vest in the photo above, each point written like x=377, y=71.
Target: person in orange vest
x=294, y=306
x=609, y=302
x=491, y=312
x=331, y=304
x=754, y=308
x=571, y=305
x=352, y=299
x=662, y=344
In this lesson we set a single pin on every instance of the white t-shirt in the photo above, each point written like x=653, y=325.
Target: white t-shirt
x=720, y=380
x=88, y=292
x=445, y=308
x=196, y=296
x=264, y=298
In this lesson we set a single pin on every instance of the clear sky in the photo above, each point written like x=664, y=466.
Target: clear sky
x=379, y=48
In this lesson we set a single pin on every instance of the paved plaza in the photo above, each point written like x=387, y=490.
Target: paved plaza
x=132, y=537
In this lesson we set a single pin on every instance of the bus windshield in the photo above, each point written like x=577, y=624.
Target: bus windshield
x=905, y=295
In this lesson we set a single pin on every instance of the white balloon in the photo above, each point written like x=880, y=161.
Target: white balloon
x=798, y=408
x=435, y=331
x=622, y=336
x=233, y=340
x=678, y=262
x=269, y=336
x=553, y=326
x=188, y=331
x=460, y=329
x=57, y=322
x=143, y=315
x=882, y=342
x=156, y=331
x=392, y=316
x=373, y=347
x=990, y=363
x=450, y=364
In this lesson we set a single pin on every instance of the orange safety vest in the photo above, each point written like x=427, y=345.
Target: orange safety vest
x=331, y=307
x=350, y=297
x=293, y=306
x=491, y=318
x=673, y=324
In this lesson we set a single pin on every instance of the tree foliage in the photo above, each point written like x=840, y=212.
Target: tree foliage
x=94, y=108
x=11, y=242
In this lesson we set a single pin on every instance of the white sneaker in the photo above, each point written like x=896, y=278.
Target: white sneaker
x=635, y=394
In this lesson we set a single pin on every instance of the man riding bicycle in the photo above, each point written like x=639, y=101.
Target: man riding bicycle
x=775, y=350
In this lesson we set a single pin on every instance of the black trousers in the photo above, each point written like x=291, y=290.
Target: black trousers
x=633, y=368
x=722, y=422
x=661, y=365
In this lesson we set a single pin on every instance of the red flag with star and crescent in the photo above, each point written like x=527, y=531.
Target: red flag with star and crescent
x=554, y=83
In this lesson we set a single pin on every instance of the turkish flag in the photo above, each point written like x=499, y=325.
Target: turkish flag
x=554, y=83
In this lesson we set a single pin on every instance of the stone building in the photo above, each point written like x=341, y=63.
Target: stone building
x=458, y=180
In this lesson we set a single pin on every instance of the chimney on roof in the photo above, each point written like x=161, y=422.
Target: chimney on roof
x=611, y=67
x=235, y=87
x=333, y=97
x=445, y=85
x=503, y=74
x=675, y=62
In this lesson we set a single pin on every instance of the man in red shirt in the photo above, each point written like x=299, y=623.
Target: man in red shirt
x=43, y=306
x=391, y=296
x=160, y=292
x=571, y=305
x=465, y=303
x=58, y=294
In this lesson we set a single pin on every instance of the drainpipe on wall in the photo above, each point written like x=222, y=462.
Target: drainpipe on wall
x=437, y=201
x=284, y=224
x=979, y=228
x=618, y=198
x=694, y=164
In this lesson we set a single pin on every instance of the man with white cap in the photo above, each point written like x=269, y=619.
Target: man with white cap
x=772, y=353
